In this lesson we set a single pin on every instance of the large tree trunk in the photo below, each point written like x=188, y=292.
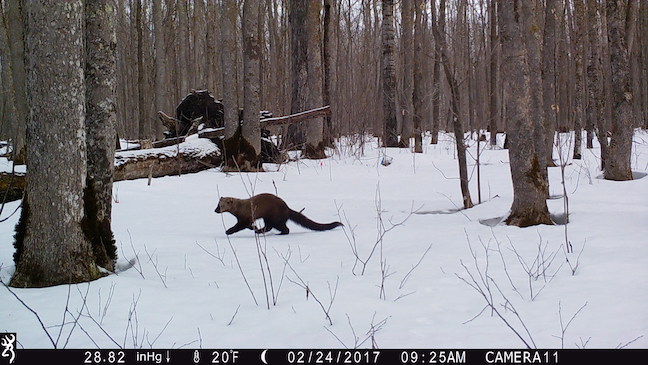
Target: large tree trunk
x=390, y=135
x=297, y=13
x=51, y=247
x=543, y=132
x=618, y=159
x=100, y=127
x=549, y=86
x=251, y=129
x=595, y=107
x=330, y=58
x=529, y=190
x=580, y=55
x=314, y=148
x=307, y=76
x=229, y=13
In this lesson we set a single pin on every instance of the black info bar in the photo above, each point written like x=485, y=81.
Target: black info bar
x=323, y=356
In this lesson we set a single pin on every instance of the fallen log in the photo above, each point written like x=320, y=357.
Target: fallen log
x=193, y=155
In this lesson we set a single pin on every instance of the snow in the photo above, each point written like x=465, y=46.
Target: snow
x=181, y=282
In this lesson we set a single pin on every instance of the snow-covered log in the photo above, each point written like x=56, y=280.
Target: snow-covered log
x=193, y=155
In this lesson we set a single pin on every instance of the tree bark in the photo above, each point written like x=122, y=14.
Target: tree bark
x=543, y=132
x=145, y=131
x=250, y=129
x=494, y=74
x=15, y=21
x=595, y=113
x=314, y=148
x=618, y=165
x=549, y=86
x=420, y=111
x=436, y=73
x=580, y=55
x=183, y=43
x=229, y=13
x=457, y=124
x=390, y=135
x=330, y=58
x=100, y=127
x=297, y=13
x=161, y=79
x=9, y=122
x=51, y=247
x=529, y=191
x=407, y=67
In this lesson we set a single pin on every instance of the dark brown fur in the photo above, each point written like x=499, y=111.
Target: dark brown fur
x=274, y=211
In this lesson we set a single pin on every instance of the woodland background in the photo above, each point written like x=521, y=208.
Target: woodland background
x=165, y=48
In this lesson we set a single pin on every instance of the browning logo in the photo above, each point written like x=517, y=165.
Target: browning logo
x=8, y=347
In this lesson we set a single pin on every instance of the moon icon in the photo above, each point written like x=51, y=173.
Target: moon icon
x=263, y=357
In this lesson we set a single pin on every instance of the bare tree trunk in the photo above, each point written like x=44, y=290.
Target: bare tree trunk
x=251, y=129
x=543, y=131
x=618, y=166
x=407, y=69
x=643, y=46
x=15, y=20
x=580, y=55
x=595, y=112
x=51, y=246
x=199, y=80
x=314, y=148
x=529, y=191
x=144, y=121
x=228, y=20
x=183, y=43
x=9, y=123
x=330, y=59
x=213, y=50
x=161, y=81
x=421, y=111
x=456, y=115
x=100, y=128
x=549, y=85
x=390, y=136
x=436, y=72
x=297, y=14
x=494, y=73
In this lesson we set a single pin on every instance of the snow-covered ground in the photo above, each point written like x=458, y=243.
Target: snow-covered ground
x=408, y=270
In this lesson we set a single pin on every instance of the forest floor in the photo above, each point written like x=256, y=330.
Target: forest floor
x=408, y=270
